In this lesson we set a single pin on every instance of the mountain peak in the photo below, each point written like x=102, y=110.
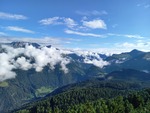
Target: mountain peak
x=135, y=52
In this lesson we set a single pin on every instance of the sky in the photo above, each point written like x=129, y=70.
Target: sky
x=98, y=25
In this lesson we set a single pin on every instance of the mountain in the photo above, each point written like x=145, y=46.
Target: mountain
x=135, y=53
x=31, y=83
x=134, y=102
x=120, y=58
x=129, y=75
x=80, y=93
x=23, y=44
x=122, y=82
x=140, y=62
x=135, y=59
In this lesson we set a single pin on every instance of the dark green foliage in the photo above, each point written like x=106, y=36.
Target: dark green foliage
x=93, y=96
x=133, y=103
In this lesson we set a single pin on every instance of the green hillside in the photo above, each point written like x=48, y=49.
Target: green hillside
x=92, y=95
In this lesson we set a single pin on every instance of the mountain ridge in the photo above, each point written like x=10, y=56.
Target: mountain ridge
x=30, y=84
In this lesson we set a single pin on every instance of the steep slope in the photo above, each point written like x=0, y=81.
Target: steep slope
x=80, y=93
x=30, y=85
x=135, y=59
x=135, y=102
x=140, y=62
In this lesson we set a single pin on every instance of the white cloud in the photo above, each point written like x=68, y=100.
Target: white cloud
x=12, y=16
x=90, y=13
x=95, y=24
x=91, y=58
x=6, y=67
x=109, y=51
x=126, y=35
x=147, y=6
x=114, y=25
x=144, y=5
x=23, y=63
x=2, y=34
x=59, y=21
x=70, y=22
x=83, y=34
x=49, y=21
x=133, y=36
x=22, y=58
x=97, y=62
x=19, y=29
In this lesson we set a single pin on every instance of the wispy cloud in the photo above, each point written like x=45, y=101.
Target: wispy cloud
x=12, y=16
x=70, y=22
x=95, y=24
x=144, y=5
x=126, y=35
x=59, y=21
x=19, y=29
x=90, y=13
x=83, y=34
x=114, y=25
x=2, y=34
x=147, y=6
x=49, y=21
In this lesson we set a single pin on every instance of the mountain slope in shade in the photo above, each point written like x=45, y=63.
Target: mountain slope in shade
x=135, y=59
x=136, y=52
x=30, y=85
x=120, y=58
x=129, y=75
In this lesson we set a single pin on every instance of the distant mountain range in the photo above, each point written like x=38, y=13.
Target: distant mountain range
x=21, y=44
x=29, y=84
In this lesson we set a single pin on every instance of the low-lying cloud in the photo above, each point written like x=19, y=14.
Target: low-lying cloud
x=37, y=58
x=92, y=58
x=29, y=57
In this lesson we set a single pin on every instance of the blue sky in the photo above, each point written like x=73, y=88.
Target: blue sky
x=85, y=24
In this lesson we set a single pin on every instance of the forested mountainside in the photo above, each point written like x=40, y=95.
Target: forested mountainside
x=93, y=96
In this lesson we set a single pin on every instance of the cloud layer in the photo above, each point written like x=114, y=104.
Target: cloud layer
x=92, y=58
x=37, y=58
x=27, y=58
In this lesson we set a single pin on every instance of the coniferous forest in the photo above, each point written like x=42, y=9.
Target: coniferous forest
x=94, y=96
